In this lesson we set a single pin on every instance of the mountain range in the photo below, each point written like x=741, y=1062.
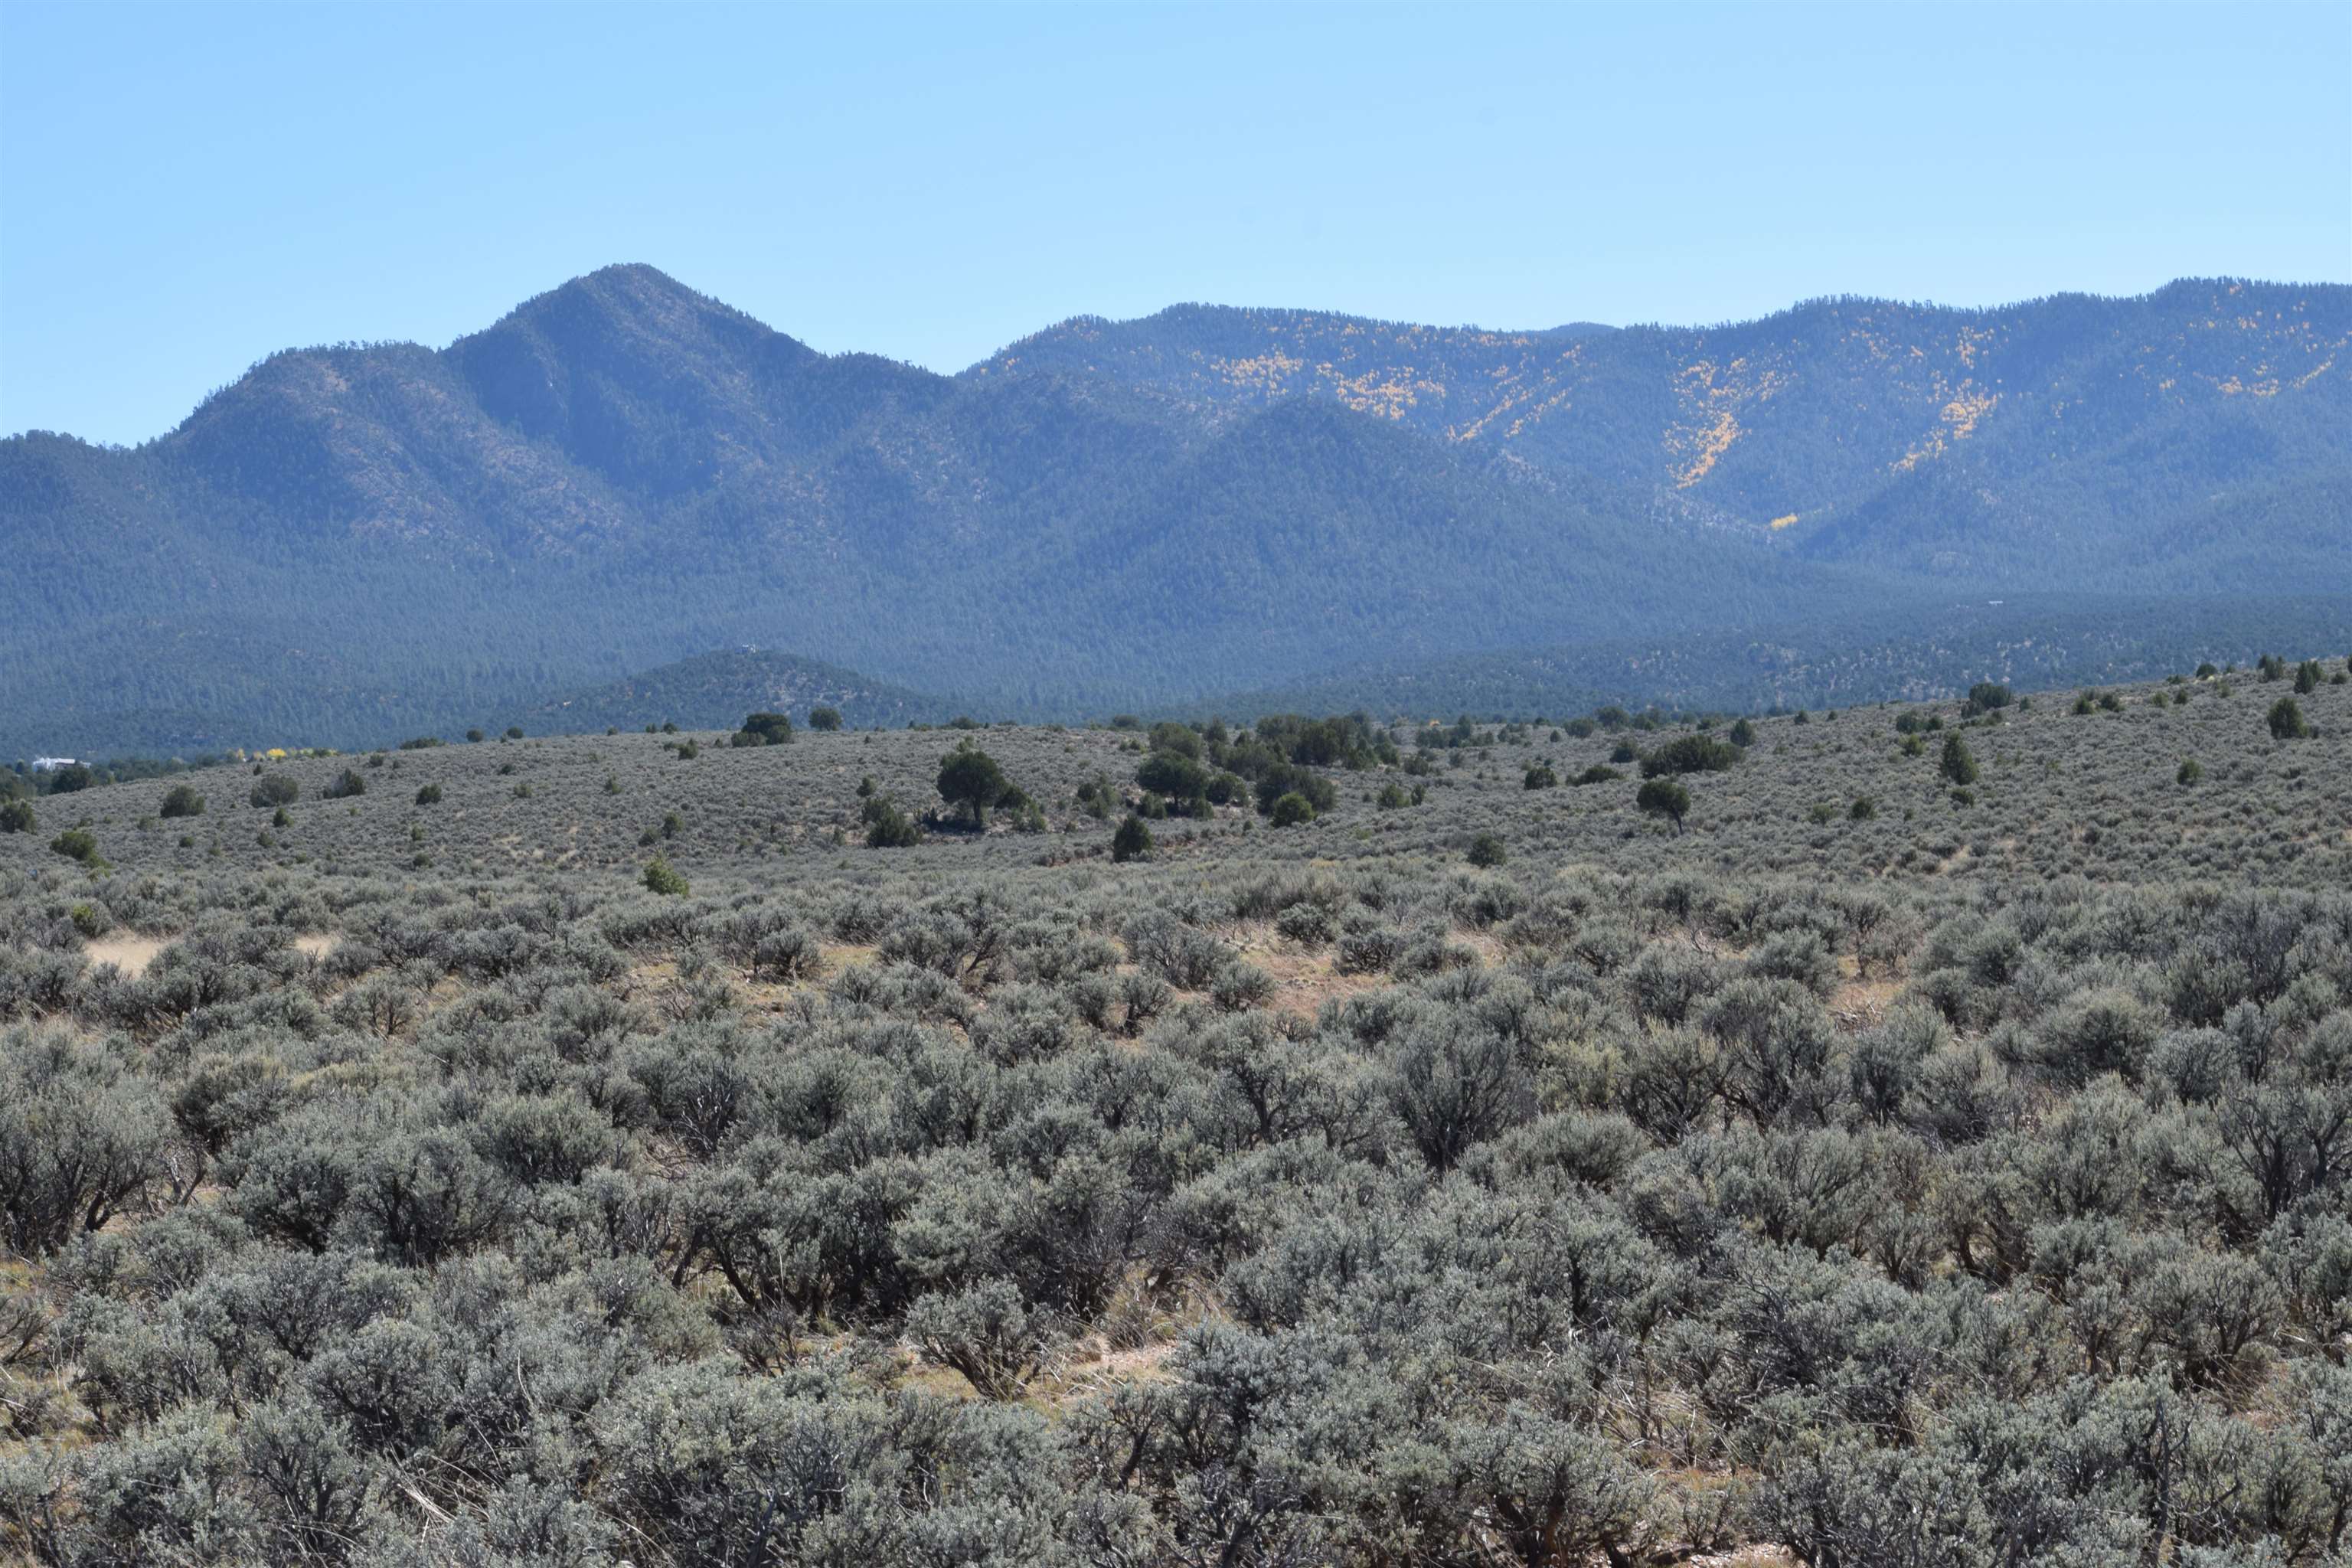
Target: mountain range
x=354, y=542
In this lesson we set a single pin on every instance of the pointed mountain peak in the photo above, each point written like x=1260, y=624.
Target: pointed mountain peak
x=612, y=364
x=638, y=273
x=633, y=300
x=638, y=282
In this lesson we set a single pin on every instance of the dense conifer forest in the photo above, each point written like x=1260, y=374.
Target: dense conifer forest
x=1887, y=1134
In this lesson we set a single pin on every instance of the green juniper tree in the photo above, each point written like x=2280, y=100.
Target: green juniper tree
x=886, y=826
x=763, y=730
x=1665, y=797
x=1132, y=841
x=1958, y=764
x=971, y=781
x=76, y=843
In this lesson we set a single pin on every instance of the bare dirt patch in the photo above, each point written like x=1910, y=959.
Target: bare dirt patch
x=1144, y=1363
x=127, y=952
x=1089, y=1368
x=1862, y=1004
x=132, y=953
x=1303, y=980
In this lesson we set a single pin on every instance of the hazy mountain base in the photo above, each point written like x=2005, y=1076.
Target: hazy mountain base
x=1894, y=649
x=1903, y=652
x=716, y=689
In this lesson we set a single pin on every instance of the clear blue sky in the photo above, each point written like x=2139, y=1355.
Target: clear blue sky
x=184, y=189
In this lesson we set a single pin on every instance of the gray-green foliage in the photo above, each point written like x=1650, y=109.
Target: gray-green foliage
x=1302, y=1197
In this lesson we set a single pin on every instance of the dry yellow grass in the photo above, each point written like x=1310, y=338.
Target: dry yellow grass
x=129, y=952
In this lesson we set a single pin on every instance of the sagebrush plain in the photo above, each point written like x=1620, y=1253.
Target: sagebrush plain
x=1909, y=1135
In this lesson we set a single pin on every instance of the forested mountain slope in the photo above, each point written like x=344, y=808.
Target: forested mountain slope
x=356, y=540
x=2004, y=443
